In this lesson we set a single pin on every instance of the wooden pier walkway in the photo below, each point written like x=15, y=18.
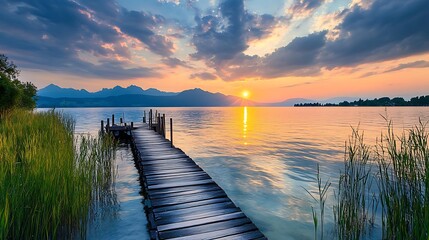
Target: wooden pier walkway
x=183, y=201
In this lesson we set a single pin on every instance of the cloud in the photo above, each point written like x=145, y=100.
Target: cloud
x=300, y=57
x=302, y=8
x=175, y=62
x=388, y=29
x=384, y=30
x=203, y=76
x=225, y=35
x=142, y=26
x=416, y=64
x=87, y=38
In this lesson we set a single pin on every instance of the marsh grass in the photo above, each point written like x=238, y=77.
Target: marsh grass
x=390, y=179
x=319, y=197
x=356, y=203
x=403, y=168
x=52, y=182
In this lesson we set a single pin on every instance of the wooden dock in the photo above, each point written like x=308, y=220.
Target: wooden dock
x=182, y=200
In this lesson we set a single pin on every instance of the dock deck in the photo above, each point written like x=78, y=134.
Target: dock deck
x=183, y=201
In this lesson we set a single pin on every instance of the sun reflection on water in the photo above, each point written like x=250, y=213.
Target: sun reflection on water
x=245, y=125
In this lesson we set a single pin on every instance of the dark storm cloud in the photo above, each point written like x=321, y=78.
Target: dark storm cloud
x=416, y=64
x=389, y=29
x=58, y=35
x=300, y=57
x=221, y=38
x=143, y=26
x=175, y=62
x=203, y=76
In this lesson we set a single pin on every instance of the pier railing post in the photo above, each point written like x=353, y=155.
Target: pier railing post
x=102, y=127
x=120, y=120
x=108, y=125
x=171, y=132
x=150, y=119
x=158, y=123
x=113, y=119
x=163, y=125
x=144, y=116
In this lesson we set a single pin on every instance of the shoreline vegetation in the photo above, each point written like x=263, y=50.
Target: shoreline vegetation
x=386, y=185
x=376, y=102
x=52, y=181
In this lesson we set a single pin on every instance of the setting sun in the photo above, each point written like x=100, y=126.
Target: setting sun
x=245, y=94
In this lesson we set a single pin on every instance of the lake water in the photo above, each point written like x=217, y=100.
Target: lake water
x=262, y=157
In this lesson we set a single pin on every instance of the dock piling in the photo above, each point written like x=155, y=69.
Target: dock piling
x=144, y=116
x=102, y=127
x=171, y=132
x=113, y=119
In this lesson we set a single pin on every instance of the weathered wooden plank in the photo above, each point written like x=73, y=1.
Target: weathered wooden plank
x=209, y=231
x=201, y=221
x=164, y=156
x=195, y=210
x=191, y=204
x=180, y=184
x=195, y=215
x=256, y=234
x=178, y=190
x=165, y=166
x=169, y=160
x=187, y=198
x=175, y=175
x=181, y=170
x=177, y=179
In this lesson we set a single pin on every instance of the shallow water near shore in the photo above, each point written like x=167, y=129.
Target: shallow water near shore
x=262, y=157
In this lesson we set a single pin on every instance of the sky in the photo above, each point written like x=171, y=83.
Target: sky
x=273, y=49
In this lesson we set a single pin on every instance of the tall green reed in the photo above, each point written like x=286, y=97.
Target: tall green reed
x=320, y=197
x=51, y=181
x=356, y=203
x=403, y=168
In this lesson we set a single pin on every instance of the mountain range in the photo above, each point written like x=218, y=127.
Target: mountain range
x=55, y=91
x=133, y=96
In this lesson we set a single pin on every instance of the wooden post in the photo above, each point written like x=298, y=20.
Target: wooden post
x=144, y=116
x=150, y=118
x=171, y=132
x=158, y=122
x=120, y=120
x=108, y=125
x=163, y=125
x=132, y=125
x=113, y=119
x=102, y=127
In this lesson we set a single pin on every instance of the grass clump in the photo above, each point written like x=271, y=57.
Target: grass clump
x=51, y=181
x=403, y=166
x=356, y=204
x=391, y=180
x=320, y=198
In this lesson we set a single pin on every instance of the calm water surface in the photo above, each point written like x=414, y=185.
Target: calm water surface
x=262, y=158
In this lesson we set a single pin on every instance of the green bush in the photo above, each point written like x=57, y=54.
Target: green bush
x=14, y=93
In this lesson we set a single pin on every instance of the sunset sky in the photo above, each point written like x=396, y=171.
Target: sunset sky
x=273, y=49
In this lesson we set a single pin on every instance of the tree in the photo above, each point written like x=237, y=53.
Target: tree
x=14, y=93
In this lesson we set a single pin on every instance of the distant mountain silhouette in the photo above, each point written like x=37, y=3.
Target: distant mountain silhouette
x=189, y=98
x=291, y=102
x=54, y=91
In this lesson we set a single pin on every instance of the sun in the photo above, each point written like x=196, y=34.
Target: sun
x=245, y=94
